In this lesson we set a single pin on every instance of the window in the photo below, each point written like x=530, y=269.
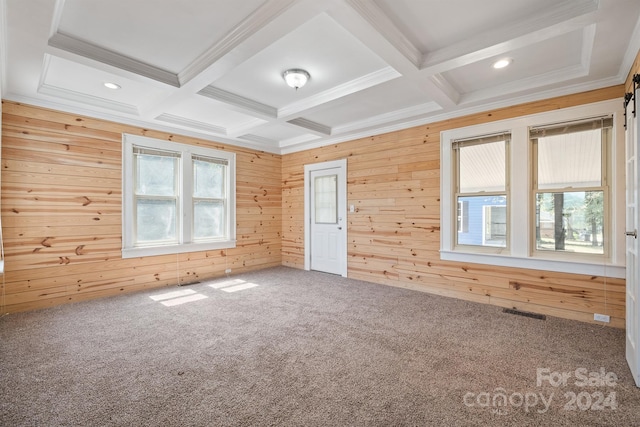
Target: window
x=529, y=194
x=570, y=186
x=326, y=201
x=176, y=198
x=481, y=191
x=463, y=216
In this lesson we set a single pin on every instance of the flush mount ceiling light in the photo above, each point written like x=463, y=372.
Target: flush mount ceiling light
x=110, y=85
x=501, y=63
x=296, y=78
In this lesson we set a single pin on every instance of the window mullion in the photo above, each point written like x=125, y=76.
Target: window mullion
x=186, y=202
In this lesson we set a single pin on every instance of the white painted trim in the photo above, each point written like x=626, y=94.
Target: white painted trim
x=630, y=54
x=244, y=104
x=129, y=250
x=311, y=125
x=176, y=249
x=145, y=124
x=83, y=98
x=529, y=83
x=4, y=42
x=239, y=34
x=181, y=121
x=591, y=269
x=520, y=253
x=385, y=118
x=383, y=25
x=474, y=108
x=361, y=83
x=341, y=163
x=555, y=21
x=82, y=48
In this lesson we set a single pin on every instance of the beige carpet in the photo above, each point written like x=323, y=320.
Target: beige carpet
x=283, y=347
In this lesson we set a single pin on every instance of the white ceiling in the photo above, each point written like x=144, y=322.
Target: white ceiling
x=213, y=68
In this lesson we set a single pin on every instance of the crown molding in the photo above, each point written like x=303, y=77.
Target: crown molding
x=82, y=98
x=82, y=48
x=588, y=40
x=440, y=82
x=361, y=83
x=245, y=104
x=522, y=85
x=149, y=125
x=406, y=124
x=383, y=25
x=258, y=139
x=631, y=53
x=3, y=46
x=561, y=19
x=245, y=127
x=194, y=124
x=311, y=125
x=386, y=118
x=300, y=139
x=241, y=32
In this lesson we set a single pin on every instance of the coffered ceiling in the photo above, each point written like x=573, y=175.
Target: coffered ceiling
x=213, y=68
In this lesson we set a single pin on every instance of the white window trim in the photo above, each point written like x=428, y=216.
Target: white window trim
x=128, y=180
x=520, y=254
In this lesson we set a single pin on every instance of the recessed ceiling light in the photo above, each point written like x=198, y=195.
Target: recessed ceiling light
x=110, y=85
x=501, y=63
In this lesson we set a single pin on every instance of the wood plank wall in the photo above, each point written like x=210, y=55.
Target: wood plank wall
x=394, y=234
x=61, y=212
x=635, y=69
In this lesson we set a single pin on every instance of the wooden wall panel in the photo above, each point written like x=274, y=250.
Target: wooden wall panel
x=394, y=234
x=635, y=69
x=62, y=207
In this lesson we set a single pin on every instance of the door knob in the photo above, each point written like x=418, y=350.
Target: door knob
x=339, y=228
x=633, y=233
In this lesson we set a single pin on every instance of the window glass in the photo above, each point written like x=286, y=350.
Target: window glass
x=208, y=219
x=208, y=179
x=155, y=175
x=570, y=221
x=156, y=221
x=486, y=218
x=326, y=199
x=481, y=191
x=482, y=167
x=569, y=158
x=177, y=198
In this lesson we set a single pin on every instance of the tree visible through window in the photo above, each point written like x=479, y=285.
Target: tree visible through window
x=570, y=187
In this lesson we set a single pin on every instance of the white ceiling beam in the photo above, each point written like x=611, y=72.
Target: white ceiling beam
x=272, y=21
x=114, y=59
x=356, y=85
x=311, y=126
x=3, y=47
x=240, y=103
x=559, y=20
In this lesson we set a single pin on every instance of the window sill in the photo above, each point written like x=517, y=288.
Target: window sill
x=574, y=267
x=176, y=249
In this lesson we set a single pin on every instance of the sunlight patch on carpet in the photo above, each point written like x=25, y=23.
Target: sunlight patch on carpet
x=174, y=294
x=183, y=300
x=226, y=283
x=241, y=287
x=234, y=285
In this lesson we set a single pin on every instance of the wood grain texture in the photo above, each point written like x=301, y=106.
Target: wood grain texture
x=393, y=181
x=635, y=69
x=62, y=212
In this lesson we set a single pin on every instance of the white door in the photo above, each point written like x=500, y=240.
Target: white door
x=633, y=272
x=325, y=217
